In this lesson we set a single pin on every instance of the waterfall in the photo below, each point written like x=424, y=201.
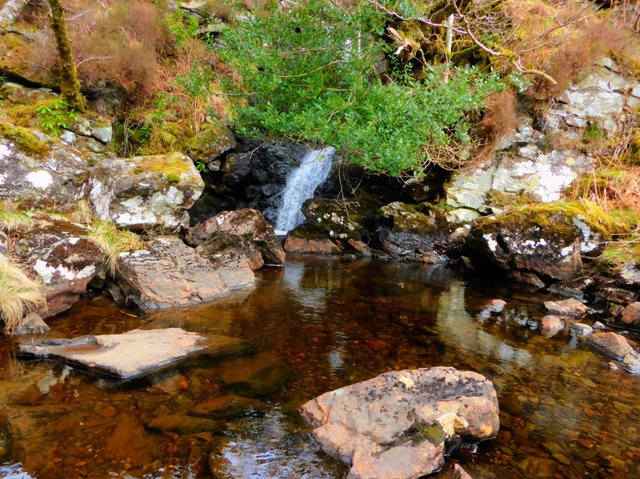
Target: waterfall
x=301, y=184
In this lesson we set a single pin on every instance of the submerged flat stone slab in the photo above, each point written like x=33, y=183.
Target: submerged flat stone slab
x=134, y=353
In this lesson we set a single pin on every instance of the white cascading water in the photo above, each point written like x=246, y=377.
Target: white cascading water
x=301, y=184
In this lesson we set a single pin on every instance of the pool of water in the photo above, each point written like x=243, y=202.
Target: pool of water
x=325, y=324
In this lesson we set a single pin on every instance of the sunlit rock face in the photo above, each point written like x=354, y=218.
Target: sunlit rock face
x=146, y=191
x=541, y=159
x=396, y=426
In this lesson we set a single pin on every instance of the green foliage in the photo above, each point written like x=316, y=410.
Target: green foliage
x=55, y=115
x=183, y=27
x=309, y=73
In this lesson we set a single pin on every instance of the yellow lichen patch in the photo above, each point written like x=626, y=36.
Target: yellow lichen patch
x=22, y=137
x=171, y=163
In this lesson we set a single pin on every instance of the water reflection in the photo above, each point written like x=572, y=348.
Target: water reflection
x=563, y=412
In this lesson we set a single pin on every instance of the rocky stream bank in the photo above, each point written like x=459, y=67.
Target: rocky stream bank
x=199, y=236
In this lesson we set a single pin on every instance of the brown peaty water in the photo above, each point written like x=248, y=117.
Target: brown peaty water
x=318, y=325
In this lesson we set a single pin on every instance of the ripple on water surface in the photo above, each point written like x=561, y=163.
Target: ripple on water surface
x=320, y=324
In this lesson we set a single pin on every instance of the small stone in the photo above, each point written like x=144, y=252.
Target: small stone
x=612, y=345
x=103, y=134
x=68, y=137
x=631, y=314
x=569, y=307
x=582, y=329
x=631, y=363
x=32, y=323
x=613, y=366
x=551, y=324
x=598, y=325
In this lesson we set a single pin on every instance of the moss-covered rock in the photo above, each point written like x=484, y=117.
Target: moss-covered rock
x=547, y=240
x=414, y=233
x=211, y=142
x=145, y=191
x=341, y=220
x=22, y=137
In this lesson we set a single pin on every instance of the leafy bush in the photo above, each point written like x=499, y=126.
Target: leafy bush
x=309, y=73
x=55, y=115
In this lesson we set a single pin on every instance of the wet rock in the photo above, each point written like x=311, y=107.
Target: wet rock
x=495, y=306
x=631, y=314
x=612, y=345
x=130, y=354
x=527, y=278
x=32, y=323
x=573, y=288
x=598, y=325
x=256, y=176
x=171, y=274
x=228, y=406
x=543, y=241
x=360, y=248
x=617, y=295
x=238, y=237
x=340, y=220
x=145, y=191
x=255, y=377
x=396, y=425
x=567, y=307
x=184, y=424
x=538, y=467
x=303, y=241
x=550, y=325
x=129, y=441
x=410, y=234
x=631, y=362
x=581, y=329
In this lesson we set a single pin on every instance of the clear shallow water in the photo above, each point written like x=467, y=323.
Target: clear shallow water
x=564, y=414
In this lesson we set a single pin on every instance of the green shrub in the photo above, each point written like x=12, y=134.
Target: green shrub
x=309, y=73
x=55, y=115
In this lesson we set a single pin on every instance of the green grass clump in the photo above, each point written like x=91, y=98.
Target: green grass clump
x=12, y=220
x=18, y=294
x=113, y=241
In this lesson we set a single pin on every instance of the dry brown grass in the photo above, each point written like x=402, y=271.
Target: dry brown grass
x=112, y=242
x=19, y=293
x=499, y=119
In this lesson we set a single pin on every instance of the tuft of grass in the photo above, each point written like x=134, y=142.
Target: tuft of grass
x=113, y=241
x=19, y=293
x=12, y=220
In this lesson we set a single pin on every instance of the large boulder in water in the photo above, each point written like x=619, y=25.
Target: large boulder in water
x=546, y=241
x=396, y=426
x=408, y=233
x=170, y=274
x=146, y=191
x=240, y=237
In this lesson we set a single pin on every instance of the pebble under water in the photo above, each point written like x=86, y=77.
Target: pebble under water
x=320, y=324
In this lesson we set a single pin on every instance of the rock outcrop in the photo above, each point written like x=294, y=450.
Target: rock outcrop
x=170, y=274
x=241, y=237
x=146, y=191
x=410, y=234
x=539, y=240
x=396, y=426
x=541, y=163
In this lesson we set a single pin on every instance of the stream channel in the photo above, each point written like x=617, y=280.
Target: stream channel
x=323, y=324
